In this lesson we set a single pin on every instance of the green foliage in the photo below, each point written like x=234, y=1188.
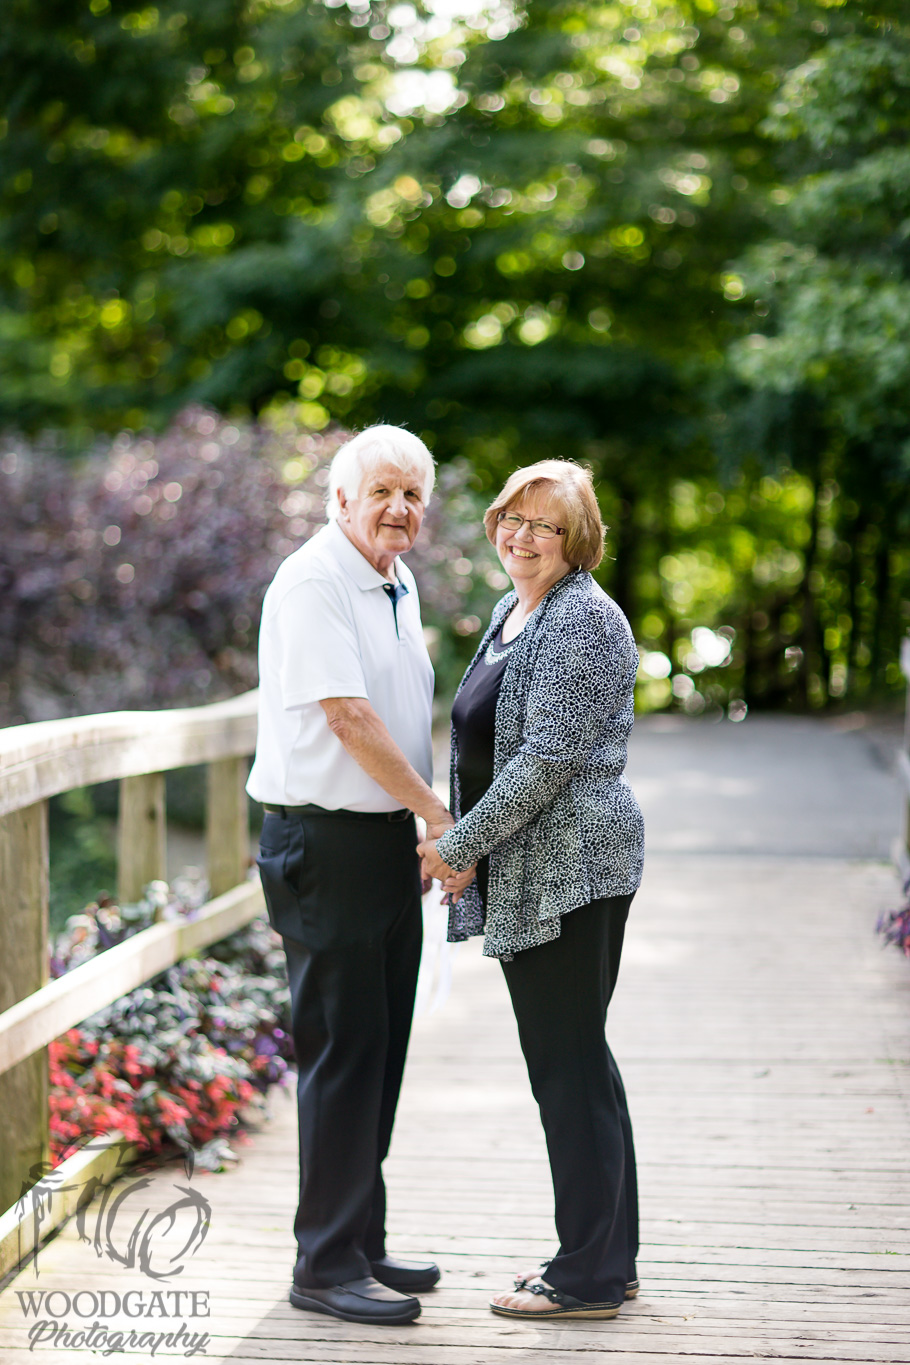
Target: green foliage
x=173, y=203
x=206, y=203
x=834, y=287
x=856, y=92
x=668, y=239
x=82, y=854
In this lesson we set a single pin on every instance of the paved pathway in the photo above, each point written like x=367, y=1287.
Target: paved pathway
x=774, y=785
x=763, y=1034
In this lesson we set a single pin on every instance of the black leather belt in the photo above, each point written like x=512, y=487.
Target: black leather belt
x=288, y=812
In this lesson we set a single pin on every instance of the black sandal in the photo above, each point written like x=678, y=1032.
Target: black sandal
x=632, y=1286
x=564, y=1305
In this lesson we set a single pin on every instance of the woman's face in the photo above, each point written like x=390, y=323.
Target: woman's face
x=532, y=561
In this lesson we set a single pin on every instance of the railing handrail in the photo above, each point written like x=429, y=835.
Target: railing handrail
x=46, y=758
x=47, y=1013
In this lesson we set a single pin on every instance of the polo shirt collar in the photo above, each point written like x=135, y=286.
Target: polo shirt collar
x=353, y=562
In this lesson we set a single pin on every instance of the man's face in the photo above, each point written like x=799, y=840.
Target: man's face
x=384, y=518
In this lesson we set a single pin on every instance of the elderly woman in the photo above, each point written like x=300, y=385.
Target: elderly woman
x=539, y=731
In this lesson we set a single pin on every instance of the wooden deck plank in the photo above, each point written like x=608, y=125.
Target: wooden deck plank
x=768, y=1081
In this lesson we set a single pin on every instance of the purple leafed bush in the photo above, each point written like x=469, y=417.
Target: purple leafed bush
x=134, y=578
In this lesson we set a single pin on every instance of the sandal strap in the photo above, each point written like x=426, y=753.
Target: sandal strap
x=538, y=1287
x=557, y=1296
x=554, y=1295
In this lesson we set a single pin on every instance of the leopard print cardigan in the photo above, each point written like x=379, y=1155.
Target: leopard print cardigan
x=559, y=821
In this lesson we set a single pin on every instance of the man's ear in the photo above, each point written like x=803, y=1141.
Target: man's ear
x=342, y=500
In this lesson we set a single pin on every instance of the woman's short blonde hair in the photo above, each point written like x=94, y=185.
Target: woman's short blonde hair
x=569, y=490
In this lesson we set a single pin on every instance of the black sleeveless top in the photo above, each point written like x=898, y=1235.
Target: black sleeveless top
x=474, y=719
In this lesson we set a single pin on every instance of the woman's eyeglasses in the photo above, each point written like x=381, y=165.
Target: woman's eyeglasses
x=545, y=530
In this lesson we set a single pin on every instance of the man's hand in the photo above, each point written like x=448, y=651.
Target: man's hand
x=438, y=826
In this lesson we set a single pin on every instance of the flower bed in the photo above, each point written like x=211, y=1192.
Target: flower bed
x=177, y=1061
x=894, y=926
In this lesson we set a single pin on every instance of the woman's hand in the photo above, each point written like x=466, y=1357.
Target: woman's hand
x=453, y=887
x=433, y=865
x=453, y=883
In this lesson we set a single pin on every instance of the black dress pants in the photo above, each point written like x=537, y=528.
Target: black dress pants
x=560, y=992
x=343, y=891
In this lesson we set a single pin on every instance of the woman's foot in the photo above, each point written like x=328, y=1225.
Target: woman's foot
x=520, y=1297
x=632, y=1286
x=541, y=1300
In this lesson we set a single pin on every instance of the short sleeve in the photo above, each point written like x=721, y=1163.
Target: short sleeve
x=318, y=653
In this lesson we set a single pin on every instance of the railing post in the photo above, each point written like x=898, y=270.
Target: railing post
x=24, y=1129
x=227, y=824
x=141, y=847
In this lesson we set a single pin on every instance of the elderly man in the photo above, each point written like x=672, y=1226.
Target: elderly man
x=343, y=763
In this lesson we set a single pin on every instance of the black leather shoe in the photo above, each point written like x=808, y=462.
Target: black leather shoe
x=363, y=1300
x=409, y=1276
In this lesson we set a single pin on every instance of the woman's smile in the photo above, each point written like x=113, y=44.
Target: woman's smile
x=534, y=563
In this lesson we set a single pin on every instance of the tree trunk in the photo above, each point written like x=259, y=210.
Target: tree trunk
x=857, y=530
x=808, y=636
x=621, y=543
x=882, y=564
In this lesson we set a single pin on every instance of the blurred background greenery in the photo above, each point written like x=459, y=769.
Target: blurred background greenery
x=668, y=239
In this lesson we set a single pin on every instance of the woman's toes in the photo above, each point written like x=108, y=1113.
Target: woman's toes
x=534, y=1273
x=521, y=1298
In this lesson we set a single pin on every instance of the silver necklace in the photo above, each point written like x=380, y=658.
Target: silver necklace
x=490, y=657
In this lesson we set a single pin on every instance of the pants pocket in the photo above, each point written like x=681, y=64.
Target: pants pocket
x=281, y=861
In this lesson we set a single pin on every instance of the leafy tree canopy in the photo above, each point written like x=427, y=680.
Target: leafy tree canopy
x=644, y=233
x=208, y=201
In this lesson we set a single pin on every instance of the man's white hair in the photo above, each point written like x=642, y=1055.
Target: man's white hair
x=371, y=449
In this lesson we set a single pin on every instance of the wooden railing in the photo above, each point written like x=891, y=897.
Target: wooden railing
x=43, y=760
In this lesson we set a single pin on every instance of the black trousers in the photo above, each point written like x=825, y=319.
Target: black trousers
x=344, y=893
x=560, y=992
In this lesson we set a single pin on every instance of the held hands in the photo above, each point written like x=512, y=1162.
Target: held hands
x=453, y=883
x=433, y=864
x=434, y=829
x=453, y=886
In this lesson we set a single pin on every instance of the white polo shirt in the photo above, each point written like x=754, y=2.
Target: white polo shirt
x=328, y=630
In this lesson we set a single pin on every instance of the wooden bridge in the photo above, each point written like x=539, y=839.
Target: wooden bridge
x=763, y=1035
